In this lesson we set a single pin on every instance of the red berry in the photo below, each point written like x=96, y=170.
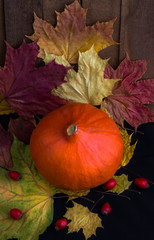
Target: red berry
x=141, y=183
x=105, y=209
x=15, y=213
x=14, y=175
x=110, y=184
x=60, y=224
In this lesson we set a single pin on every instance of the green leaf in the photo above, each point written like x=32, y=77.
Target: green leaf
x=81, y=217
x=31, y=194
x=122, y=184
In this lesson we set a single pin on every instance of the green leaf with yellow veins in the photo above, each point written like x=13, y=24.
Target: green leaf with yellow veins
x=88, y=85
x=81, y=217
x=4, y=106
x=128, y=149
x=122, y=184
x=31, y=194
x=73, y=194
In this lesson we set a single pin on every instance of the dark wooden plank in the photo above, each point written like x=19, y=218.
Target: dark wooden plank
x=102, y=10
x=50, y=6
x=137, y=32
x=2, y=34
x=19, y=19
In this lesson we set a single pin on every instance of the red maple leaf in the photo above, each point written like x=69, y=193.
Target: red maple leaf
x=21, y=128
x=27, y=88
x=129, y=95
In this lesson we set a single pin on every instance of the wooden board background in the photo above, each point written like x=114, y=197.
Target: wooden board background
x=133, y=29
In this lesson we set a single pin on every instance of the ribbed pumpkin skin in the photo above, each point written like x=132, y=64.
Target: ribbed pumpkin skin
x=84, y=160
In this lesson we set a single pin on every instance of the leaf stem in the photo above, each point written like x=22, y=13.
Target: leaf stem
x=96, y=203
x=109, y=193
x=54, y=197
x=135, y=174
x=136, y=131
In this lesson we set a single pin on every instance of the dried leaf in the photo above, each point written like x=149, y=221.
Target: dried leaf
x=71, y=34
x=31, y=194
x=122, y=184
x=73, y=194
x=26, y=88
x=128, y=148
x=88, y=85
x=81, y=217
x=4, y=106
x=21, y=128
x=5, y=145
x=129, y=96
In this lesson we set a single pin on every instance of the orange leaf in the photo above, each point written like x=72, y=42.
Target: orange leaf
x=71, y=34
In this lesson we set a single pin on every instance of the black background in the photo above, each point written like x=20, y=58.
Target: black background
x=129, y=219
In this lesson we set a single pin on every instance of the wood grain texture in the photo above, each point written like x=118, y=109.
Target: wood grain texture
x=50, y=7
x=137, y=32
x=103, y=10
x=2, y=34
x=19, y=19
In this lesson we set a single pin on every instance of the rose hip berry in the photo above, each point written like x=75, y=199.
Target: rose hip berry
x=14, y=175
x=105, y=209
x=110, y=184
x=15, y=213
x=60, y=224
x=141, y=183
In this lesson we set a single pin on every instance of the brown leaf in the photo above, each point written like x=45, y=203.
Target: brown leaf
x=71, y=34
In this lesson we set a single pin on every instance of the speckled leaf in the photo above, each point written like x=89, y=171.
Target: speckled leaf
x=128, y=148
x=71, y=34
x=5, y=146
x=31, y=194
x=88, y=85
x=27, y=88
x=122, y=184
x=81, y=217
x=130, y=94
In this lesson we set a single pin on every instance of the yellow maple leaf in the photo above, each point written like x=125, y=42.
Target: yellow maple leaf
x=73, y=194
x=71, y=34
x=4, y=106
x=81, y=217
x=122, y=184
x=88, y=85
x=128, y=149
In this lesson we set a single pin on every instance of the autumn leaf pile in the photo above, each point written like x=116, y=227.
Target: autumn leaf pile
x=28, y=92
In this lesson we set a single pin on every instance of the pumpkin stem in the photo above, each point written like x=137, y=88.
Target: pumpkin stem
x=71, y=129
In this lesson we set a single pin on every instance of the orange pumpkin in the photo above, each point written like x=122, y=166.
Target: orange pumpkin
x=76, y=147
